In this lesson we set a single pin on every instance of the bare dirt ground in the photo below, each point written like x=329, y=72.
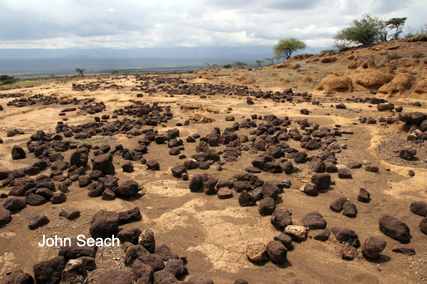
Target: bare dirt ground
x=214, y=233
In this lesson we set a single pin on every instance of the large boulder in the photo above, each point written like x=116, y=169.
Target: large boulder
x=49, y=271
x=103, y=163
x=14, y=203
x=395, y=229
x=104, y=224
x=322, y=181
x=127, y=189
x=18, y=153
x=74, y=250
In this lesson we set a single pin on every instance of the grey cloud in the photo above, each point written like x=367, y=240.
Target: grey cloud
x=135, y=23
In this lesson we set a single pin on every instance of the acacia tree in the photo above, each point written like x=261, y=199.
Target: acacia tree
x=207, y=64
x=259, y=62
x=396, y=23
x=271, y=60
x=285, y=47
x=81, y=71
x=115, y=72
x=240, y=65
x=214, y=66
x=368, y=30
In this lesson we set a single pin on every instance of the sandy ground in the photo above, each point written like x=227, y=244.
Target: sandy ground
x=214, y=233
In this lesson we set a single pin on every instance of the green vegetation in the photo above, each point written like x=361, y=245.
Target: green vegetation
x=323, y=52
x=368, y=30
x=80, y=71
x=227, y=66
x=240, y=65
x=285, y=47
x=396, y=23
x=115, y=72
x=416, y=32
x=259, y=62
x=271, y=60
x=5, y=80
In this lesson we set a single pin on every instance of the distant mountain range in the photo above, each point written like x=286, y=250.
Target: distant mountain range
x=64, y=61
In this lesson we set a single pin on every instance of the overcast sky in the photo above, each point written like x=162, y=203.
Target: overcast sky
x=170, y=23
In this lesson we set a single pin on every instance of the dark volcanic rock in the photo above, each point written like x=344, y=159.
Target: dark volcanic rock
x=269, y=189
x=404, y=249
x=14, y=203
x=35, y=199
x=349, y=209
x=127, y=167
x=266, y=206
x=153, y=260
x=103, y=163
x=246, y=199
x=18, y=153
x=58, y=197
x=276, y=252
x=395, y=229
x=142, y=271
x=348, y=252
x=337, y=204
x=314, y=221
x=177, y=171
x=322, y=181
x=75, y=250
x=423, y=226
x=344, y=172
x=364, y=195
x=129, y=235
x=310, y=189
x=104, y=224
x=127, y=189
x=407, y=154
x=70, y=213
x=5, y=217
x=373, y=247
x=18, y=277
x=153, y=165
x=146, y=239
x=281, y=218
x=419, y=208
x=129, y=216
x=321, y=235
x=37, y=221
x=344, y=235
x=49, y=271
x=176, y=267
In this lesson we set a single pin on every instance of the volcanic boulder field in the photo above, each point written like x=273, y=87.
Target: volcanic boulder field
x=309, y=171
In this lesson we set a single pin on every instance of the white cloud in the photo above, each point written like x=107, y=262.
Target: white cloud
x=167, y=23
